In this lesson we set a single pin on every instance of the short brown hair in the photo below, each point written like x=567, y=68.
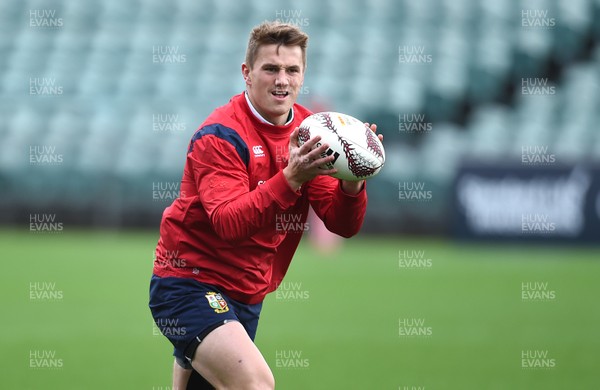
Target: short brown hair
x=269, y=33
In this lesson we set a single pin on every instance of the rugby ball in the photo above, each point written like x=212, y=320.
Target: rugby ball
x=357, y=150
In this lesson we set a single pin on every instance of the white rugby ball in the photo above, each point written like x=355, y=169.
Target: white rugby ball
x=358, y=152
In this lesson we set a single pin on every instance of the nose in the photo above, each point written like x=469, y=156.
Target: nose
x=281, y=80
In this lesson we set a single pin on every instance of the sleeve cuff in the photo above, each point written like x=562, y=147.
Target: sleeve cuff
x=357, y=195
x=281, y=190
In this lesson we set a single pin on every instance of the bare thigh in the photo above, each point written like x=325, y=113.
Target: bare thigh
x=228, y=359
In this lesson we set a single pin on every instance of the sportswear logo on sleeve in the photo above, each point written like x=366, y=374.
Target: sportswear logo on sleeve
x=257, y=150
x=216, y=301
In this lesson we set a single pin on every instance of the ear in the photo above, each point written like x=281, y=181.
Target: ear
x=246, y=73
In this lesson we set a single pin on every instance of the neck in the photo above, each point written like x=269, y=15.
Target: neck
x=278, y=121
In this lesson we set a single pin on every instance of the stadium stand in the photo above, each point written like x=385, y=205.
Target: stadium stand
x=127, y=82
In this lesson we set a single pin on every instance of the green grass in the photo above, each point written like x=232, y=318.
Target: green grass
x=343, y=328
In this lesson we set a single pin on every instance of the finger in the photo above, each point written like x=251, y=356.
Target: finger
x=321, y=162
x=380, y=136
x=373, y=127
x=297, y=159
x=317, y=152
x=327, y=171
x=308, y=145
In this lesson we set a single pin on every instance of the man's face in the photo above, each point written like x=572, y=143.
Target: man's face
x=274, y=81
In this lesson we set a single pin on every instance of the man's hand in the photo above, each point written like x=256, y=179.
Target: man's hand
x=354, y=187
x=303, y=163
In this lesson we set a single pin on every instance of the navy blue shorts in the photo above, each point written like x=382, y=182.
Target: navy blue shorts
x=186, y=310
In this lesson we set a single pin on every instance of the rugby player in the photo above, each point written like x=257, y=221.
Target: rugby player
x=220, y=249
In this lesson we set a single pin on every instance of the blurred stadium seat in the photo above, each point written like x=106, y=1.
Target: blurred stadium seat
x=112, y=85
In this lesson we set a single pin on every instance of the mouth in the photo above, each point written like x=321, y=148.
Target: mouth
x=280, y=94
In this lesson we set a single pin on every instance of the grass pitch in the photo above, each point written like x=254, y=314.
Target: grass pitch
x=381, y=313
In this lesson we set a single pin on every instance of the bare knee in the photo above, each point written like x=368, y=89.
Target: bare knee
x=262, y=381
x=260, y=378
x=268, y=381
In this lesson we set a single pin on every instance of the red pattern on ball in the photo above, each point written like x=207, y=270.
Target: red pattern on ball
x=303, y=134
x=372, y=143
x=356, y=163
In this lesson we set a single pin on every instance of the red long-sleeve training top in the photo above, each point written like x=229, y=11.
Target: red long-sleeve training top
x=237, y=222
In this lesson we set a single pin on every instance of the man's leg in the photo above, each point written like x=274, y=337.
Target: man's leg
x=180, y=376
x=228, y=359
x=188, y=379
x=197, y=382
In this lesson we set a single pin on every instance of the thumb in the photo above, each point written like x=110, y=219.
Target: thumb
x=294, y=139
